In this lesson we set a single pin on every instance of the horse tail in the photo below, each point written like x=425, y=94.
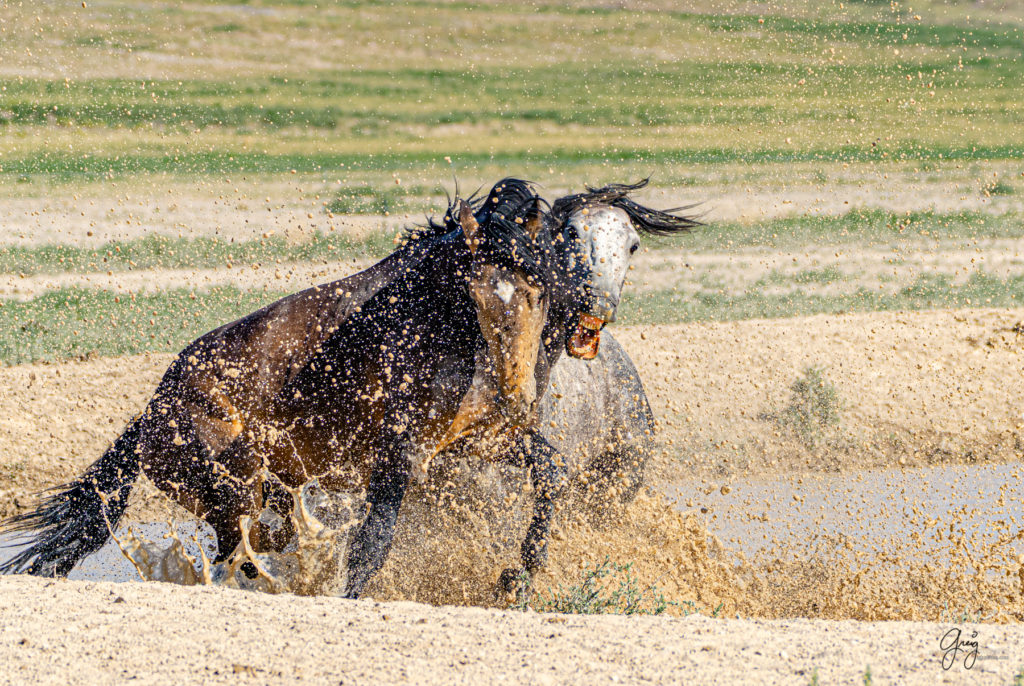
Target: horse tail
x=77, y=519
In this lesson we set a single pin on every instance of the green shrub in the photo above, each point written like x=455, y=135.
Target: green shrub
x=608, y=588
x=814, y=406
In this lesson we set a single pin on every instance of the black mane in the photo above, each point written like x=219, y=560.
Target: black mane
x=645, y=219
x=502, y=216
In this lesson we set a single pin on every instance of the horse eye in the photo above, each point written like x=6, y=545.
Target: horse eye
x=632, y=248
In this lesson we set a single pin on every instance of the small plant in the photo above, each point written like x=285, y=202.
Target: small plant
x=963, y=616
x=867, y=676
x=1018, y=679
x=366, y=200
x=814, y=677
x=814, y=406
x=608, y=588
x=997, y=188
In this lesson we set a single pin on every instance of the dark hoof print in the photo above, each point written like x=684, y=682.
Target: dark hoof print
x=250, y=570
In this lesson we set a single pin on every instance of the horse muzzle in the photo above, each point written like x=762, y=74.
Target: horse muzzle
x=585, y=339
x=604, y=309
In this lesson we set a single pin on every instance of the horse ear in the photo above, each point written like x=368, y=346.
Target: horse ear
x=470, y=227
x=535, y=222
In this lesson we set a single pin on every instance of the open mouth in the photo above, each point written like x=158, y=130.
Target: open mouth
x=585, y=338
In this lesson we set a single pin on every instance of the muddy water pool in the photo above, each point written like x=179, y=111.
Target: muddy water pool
x=901, y=514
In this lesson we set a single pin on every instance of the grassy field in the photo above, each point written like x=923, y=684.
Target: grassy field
x=345, y=109
x=203, y=88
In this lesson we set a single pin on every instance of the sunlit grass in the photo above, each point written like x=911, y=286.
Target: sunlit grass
x=471, y=81
x=864, y=228
x=162, y=252
x=928, y=291
x=70, y=322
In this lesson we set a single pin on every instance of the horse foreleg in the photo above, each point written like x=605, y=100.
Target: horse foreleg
x=549, y=477
x=388, y=483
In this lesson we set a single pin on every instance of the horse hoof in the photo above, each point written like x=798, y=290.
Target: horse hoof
x=513, y=581
x=250, y=570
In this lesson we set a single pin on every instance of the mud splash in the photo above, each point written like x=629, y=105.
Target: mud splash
x=313, y=563
x=457, y=533
x=454, y=541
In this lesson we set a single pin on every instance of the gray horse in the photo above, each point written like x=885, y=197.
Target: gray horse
x=597, y=416
x=603, y=422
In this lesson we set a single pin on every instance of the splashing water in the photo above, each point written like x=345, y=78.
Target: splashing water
x=313, y=563
x=456, y=534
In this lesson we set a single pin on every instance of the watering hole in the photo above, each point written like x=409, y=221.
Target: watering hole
x=741, y=519
x=926, y=516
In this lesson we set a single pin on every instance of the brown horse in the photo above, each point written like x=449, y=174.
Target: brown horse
x=605, y=424
x=356, y=383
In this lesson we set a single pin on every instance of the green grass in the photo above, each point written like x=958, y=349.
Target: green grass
x=61, y=167
x=72, y=322
x=509, y=85
x=371, y=200
x=998, y=188
x=369, y=102
x=607, y=588
x=860, y=227
x=69, y=322
x=162, y=252
x=929, y=291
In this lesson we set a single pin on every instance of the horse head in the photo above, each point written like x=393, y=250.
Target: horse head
x=506, y=280
x=603, y=225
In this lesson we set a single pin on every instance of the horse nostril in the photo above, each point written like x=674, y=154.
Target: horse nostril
x=633, y=248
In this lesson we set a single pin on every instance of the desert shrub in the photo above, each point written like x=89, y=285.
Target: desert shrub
x=607, y=588
x=814, y=407
x=997, y=187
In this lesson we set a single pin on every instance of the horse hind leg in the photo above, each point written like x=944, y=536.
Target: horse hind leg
x=218, y=486
x=618, y=472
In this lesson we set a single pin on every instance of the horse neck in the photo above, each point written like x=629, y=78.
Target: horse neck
x=433, y=293
x=562, y=284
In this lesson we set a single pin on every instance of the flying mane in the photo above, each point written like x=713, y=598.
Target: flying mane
x=502, y=216
x=645, y=219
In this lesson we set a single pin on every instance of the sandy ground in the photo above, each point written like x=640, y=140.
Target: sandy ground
x=886, y=269
x=244, y=210
x=158, y=633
